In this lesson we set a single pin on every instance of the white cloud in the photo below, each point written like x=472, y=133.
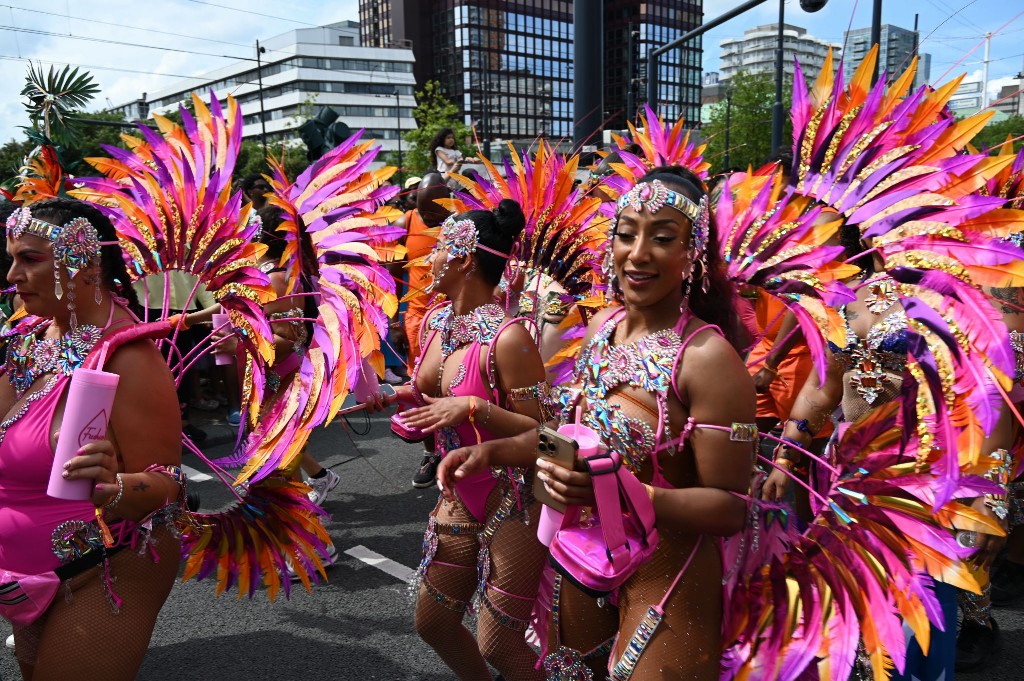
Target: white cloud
x=140, y=66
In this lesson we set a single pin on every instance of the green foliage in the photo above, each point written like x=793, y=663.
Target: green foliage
x=251, y=160
x=996, y=132
x=12, y=157
x=433, y=113
x=55, y=100
x=750, y=129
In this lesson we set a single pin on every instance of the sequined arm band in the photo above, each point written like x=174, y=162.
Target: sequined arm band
x=540, y=392
x=999, y=474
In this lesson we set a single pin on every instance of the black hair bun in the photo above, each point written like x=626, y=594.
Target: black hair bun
x=509, y=216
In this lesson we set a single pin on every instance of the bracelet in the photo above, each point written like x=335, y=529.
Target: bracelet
x=999, y=474
x=472, y=409
x=783, y=462
x=769, y=369
x=117, y=497
x=650, y=491
x=803, y=425
x=487, y=416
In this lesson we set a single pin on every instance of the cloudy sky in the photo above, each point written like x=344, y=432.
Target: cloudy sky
x=136, y=47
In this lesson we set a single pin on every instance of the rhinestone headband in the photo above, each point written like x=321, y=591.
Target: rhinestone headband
x=76, y=244
x=461, y=238
x=653, y=196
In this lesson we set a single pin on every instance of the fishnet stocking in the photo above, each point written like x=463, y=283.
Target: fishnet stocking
x=687, y=643
x=85, y=630
x=585, y=625
x=437, y=623
x=517, y=559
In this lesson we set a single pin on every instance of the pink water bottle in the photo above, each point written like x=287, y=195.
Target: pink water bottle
x=589, y=442
x=86, y=415
x=222, y=321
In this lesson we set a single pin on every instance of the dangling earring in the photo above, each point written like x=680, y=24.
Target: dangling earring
x=97, y=295
x=71, y=304
x=608, y=270
x=57, y=290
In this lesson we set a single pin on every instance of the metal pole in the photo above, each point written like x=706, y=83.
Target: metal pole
x=984, y=73
x=777, y=112
x=486, y=112
x=588, y=71
x=398, y=117
x=652, y=55
x=876, y=36
x=728, y=124
x=259, y=78
x=630, y=106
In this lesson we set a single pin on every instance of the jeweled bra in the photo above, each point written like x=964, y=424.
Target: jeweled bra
x=646, y=364
x=883, y=351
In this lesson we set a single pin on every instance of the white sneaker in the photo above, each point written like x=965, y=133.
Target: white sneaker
x=392, y=378
x=321, y=487
x=10, y=641
x=329, y=553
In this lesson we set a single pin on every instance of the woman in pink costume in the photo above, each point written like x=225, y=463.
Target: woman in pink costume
x=651, y=373
x=479, y=377
x=110, y=561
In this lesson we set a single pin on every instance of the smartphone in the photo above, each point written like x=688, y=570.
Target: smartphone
x=351, y=404
x=560, y=450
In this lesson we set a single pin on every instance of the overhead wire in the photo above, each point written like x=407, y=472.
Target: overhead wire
x=135, y=28
x=251, y=12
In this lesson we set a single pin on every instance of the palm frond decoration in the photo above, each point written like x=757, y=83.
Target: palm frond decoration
x=56, y=99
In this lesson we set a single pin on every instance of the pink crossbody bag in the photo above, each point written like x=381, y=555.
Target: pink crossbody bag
x=598, y=557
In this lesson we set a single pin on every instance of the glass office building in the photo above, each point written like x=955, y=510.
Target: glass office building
x=508, y=65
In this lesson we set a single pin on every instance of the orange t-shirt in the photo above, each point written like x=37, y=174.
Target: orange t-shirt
x=418, y=244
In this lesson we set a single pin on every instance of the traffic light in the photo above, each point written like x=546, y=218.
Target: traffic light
x=323, y=132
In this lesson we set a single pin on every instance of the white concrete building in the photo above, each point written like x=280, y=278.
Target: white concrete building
x=755, y=51
x=302, y=71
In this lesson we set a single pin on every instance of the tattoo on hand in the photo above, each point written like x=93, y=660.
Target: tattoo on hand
x=141, y=487
x=851, y=315
x=1011, y=299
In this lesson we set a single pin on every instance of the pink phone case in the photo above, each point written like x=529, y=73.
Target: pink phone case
x=406, y=432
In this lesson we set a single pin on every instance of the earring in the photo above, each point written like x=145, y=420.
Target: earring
x=57, y=290
x=97, y=295
x=608, y=270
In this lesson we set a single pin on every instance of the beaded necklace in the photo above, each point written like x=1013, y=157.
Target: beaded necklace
x=28, y=358
x=480, y=325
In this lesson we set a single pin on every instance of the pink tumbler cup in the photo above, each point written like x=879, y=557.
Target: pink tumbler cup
x=222, y=320
x=367, y=385
x=90, y=397
x=551, y=519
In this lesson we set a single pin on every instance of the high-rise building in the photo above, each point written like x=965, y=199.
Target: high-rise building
x=302, y=70
x=896, y=49
x=755, y=52
x=508, y=64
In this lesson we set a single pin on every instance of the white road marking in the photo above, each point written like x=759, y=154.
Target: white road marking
x=396, y=570
x=195, y=476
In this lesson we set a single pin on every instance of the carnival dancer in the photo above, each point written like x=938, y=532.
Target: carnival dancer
x=660, y=364
x=71, y=594
x=479, y=377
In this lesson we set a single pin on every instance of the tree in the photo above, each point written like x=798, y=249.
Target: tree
x=433, y=113
x=996, y=132
x=750, y=129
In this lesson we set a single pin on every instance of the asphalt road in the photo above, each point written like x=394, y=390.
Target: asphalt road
x=359, y=624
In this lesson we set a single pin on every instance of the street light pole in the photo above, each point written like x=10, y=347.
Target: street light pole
x=876, y=35
x=259, y=78
x=777, y=111
x=398, y=118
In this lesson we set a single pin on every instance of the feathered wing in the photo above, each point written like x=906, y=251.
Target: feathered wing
x=169, y=197
x=339, y=201
x=802, y=597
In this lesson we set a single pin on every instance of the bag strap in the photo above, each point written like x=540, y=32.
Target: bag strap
x=603, y=468
x=636, y=498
